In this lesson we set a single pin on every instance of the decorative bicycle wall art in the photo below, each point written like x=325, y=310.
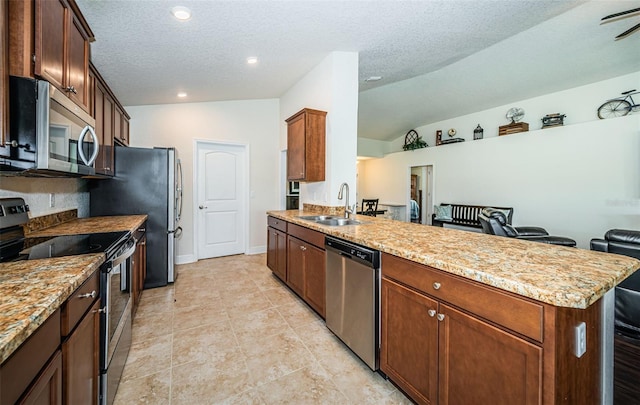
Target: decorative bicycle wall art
x=619, y=107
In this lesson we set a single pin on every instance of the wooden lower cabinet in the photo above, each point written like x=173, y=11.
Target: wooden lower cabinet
x=277, y=252
x=306, y=273
x=47, y=389
x=459, y=359
x=139, y=270
x=81, y=360
x=405, y=321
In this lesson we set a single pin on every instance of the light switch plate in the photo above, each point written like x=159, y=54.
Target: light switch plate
x=581, y=339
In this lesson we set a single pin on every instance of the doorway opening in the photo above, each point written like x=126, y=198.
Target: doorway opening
x=420, y=194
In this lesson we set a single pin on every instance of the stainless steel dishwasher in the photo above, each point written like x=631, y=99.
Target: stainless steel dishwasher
x=353, y=297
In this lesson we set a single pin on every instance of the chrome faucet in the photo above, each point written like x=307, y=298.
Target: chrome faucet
x=347, y=210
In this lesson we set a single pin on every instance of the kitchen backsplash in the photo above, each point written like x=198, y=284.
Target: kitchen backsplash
x=49, y=220
x=68, y=194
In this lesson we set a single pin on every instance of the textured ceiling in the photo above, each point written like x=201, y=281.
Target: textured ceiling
x=148, y=57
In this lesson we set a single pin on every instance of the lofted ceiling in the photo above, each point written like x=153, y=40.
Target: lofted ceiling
x=438, y=58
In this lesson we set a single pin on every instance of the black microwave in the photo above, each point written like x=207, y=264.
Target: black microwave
x=49, y=134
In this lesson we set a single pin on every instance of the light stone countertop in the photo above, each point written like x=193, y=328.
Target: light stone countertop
x=32, y=290
x=557, y=275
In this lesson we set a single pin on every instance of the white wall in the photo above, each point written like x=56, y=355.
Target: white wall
x=68, y=194
x=253, y=123
x=578, y=180
x=331, y=86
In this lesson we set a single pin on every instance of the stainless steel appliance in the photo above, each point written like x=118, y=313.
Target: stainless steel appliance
x=115, y=281
x=353, y=297
x=115, y=325
x=49, y=134
x=146, y=181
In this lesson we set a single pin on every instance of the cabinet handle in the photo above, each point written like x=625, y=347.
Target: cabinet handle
x=71, y=89
x=303, y=248
x=92, y=294
x=102, y=310
x=432, y=312
x=436, y=286
x=440, y=317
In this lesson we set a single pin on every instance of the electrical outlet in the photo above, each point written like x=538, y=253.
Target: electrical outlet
x=52, y=200
x=581, y=339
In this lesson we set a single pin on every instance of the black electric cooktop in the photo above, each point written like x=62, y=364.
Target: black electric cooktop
x=70, y=245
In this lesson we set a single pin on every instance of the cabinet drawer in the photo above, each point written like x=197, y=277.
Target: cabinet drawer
x=23, y=366
x=79, y=302
x=307, y=235
x=515, y=313
x=277, y=223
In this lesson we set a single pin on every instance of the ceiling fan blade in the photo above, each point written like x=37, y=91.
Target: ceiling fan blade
x=620, y=13
x=629, y=31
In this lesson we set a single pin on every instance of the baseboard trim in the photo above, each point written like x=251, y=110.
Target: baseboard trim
x=256, y=250
x=184, y=259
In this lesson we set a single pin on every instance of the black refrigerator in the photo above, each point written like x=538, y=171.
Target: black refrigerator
x=147, y=181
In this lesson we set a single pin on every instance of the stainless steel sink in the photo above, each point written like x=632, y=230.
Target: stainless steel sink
x=338, y=222
x=317, y=218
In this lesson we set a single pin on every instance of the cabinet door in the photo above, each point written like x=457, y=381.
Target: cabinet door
x=139, y=271
x=80, y=354
x=409, y=341
x=50, y=40
x=77, y=62
x=125, y=130
x=47, y=389
x=295, y=264
x=315, y=278
x=482, y=364
x=117, y=124
x=296, y=149
x=277, y=252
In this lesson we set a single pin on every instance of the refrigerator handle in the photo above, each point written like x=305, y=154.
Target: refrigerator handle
x=176, y=232
x=179, y=191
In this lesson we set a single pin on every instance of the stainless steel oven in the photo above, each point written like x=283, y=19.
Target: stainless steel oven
x=115, y=322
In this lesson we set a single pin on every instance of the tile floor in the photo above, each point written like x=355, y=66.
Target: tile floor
x=229, y=332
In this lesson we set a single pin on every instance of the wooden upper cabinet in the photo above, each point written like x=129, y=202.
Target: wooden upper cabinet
x=62, y=48
x=306, y=145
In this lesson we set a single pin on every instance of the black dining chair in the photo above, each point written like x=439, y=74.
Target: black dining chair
x=369, y=207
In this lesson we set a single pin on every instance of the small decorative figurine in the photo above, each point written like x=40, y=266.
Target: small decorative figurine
x=478, y=132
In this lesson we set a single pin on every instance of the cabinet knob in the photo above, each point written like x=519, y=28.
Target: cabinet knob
x=432, y=312
x=440, y=317
x=436, y=286
x=92, y=294
x=303, y=248
x=71, y=89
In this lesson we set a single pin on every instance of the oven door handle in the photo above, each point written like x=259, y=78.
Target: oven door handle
x=126, y=254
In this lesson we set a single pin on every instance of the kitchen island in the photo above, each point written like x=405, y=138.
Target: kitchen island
x=508, y=308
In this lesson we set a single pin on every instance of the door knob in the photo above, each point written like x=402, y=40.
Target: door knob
x=202, y=207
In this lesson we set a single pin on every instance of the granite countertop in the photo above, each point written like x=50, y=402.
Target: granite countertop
x=32, y=290
x=93, y=225
x=557, y=275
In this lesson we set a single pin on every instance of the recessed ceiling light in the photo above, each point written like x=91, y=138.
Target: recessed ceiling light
x=252, y=60
x=181, y=13
x=182, y=94
x=373, y=78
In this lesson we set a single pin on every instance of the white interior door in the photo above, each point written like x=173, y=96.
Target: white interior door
x=221, y=186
